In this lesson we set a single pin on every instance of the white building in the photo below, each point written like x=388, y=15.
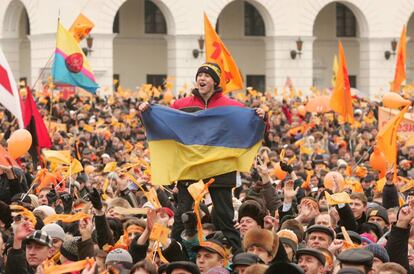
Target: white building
x=141, y=41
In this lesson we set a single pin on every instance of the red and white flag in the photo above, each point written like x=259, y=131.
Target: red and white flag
x=9, y=94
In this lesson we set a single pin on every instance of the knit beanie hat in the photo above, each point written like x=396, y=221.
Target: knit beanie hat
x=118, y=255
x=379, y=252
x=69, y=249
x=379, y=211
x=211, y=69
x=54, y=231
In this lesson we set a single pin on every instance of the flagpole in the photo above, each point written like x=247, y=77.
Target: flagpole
x=43, y=70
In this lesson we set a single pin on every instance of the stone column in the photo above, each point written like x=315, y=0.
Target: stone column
x=376, y=72
x=101, y=60
x=42, y=48
x=181, y=64
x=10, y=47
x=280, y=65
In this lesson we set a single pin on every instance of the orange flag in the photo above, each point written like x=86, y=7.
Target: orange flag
x=341, y=100
x=216, y=52
x=81, y=27
x=387, y=138
x=399, y=76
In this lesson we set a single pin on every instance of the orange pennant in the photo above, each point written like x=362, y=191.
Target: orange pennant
x=81, y=27
x=399, y=75
x=341, y=100
x=216, y=52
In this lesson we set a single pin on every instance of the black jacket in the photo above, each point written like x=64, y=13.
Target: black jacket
x=397, y=246
x=103, y=232
x=172, y=253
x=347, y=219
x=390, y=196
x=17, y=264
x=9, y=188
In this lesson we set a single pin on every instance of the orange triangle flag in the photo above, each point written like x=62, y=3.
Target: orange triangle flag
x=387, y=138
x=216, y=52
x=399, y=76
x=81, y=27
x=341, y=100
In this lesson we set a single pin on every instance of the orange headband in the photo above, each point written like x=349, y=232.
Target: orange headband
x=219, y=249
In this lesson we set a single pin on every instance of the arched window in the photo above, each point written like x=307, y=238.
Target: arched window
x=253, y=21
x=154, y=19
x=346, y=24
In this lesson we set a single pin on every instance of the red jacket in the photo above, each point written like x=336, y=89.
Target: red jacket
x=196, y=102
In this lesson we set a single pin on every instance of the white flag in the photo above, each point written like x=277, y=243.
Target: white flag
x=9, y=95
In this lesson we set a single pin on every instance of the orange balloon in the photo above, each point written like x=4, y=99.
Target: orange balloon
x=378, y=161
x=332, y=177
x=302, y=110
x=278, y=172
x=394, y=100
x=319, y=104
x=19, y=143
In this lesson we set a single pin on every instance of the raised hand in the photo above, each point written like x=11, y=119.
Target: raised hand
x=288, y=192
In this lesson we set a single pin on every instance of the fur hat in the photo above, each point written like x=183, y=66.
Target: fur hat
x=252, y=209
x=263, y=238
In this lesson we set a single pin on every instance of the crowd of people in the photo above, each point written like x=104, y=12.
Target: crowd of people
x=282, y=221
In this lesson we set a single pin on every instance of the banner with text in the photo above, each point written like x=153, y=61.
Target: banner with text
x=406, y=128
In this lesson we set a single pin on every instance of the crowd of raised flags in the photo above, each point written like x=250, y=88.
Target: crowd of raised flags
x=322, y=187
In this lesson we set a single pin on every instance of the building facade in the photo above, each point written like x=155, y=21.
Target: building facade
x=144, y=41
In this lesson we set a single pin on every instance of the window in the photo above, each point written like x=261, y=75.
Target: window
x=258, y=82
x=115, y=26
x=154, y=19
x=22, y=82
x=116, y=78
x=345, y=21
x=157, y=80
x=27, y=23
x=253, y=21
x=353, y=81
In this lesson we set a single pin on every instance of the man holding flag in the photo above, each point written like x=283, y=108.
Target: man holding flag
x=209, y=94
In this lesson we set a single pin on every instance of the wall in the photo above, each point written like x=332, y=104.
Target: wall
x=231, y=30
x=325, y=47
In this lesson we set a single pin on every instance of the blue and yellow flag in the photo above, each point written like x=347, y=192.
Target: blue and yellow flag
x=195, y=146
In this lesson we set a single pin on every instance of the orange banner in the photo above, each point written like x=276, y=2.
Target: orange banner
x=406, y=128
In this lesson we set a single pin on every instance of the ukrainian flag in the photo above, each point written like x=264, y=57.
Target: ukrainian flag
x=195, y=146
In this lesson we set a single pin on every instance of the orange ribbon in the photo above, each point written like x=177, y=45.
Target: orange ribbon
x=50, y=268
x=25, y=213
x=66, y=218
x=197, y=209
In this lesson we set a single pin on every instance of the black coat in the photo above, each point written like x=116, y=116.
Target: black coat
x=172, y=253
x=17, y=264
x=397, y=246
x=347, y=219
